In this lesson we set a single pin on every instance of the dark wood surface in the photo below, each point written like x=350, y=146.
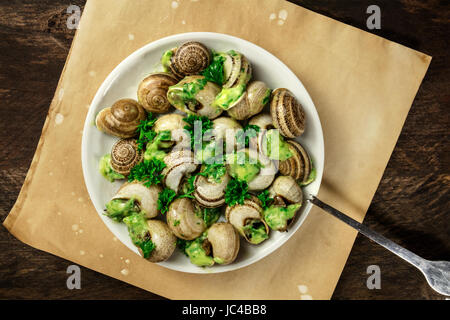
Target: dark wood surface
x=411, y=204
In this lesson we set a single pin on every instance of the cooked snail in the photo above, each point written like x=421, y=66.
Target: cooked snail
x=288, y=197
x=238, y=73
x=274, y=146
x=134, y=197
x=255, y=98
x=178, y=164
x=222, y=125
x=195, y=95
x=121, y=119
x=224, y=241
x=188, y=59
x=125, y=155
x=248, y=220
x=224, y=129
x=153, y=238
x=152, y=92
x=253, y=167
x=183, y=220
x=174, y=123
x=287, y=113
x=209, y=193
x=264, y=122
x=237, y=69
x=299, y=165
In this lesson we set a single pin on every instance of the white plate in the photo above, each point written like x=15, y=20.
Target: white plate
x=123, y=81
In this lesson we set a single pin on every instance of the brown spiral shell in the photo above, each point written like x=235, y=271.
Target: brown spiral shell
x=299, y=165
x=189, y=59
x=121, y=119
x=287, y=113
x=252, y=103
x=152, y=92
x=125, y=155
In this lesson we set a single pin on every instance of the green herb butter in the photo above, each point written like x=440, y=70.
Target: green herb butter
x=107, y=171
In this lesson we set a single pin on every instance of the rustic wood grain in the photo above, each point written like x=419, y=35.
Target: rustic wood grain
x=410, y=206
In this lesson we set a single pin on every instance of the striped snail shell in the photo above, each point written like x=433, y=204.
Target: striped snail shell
x=287, y=113
x=237, y=68
x=152, y=92
x=163, y=239
x=254, y=100
x=189, y=59
x=210, y=194
x=183, y=220
x=224, y=241
x=203, y=98
x=299, y=165
x=125, y=155
x=242, y=215
x=121, y=119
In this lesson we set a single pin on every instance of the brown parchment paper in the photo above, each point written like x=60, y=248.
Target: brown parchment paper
x=361, y=84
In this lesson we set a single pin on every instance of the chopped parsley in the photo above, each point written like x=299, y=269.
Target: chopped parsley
x=236, y=192
x=145, y=131
x=182, y=245
x=209, y=215
x=215, y=72
x=165, y=198
x=148, y=172
x=265, y=199
x=188, y=187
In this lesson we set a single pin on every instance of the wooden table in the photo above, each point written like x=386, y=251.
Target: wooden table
x=411, y=204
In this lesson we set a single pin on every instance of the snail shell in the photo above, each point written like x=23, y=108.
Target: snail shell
x=266, y=174
x=174, y=123
x=264, y=122
x=152, y=92
x=125, y=155
x=254, y=100
x=299, y=165
x=287, y=113
x=210, y=194
x=222, y=124
x=183, y=221
x=179, y=163
x=286, y=188
x=121, y=119
x=204, y=98
x=237, y=69
x=224, y=241
x=146, y=197
x=224, y=129
x=164, y=240
x=241, y=214
x=238, y=73
x=190, y=58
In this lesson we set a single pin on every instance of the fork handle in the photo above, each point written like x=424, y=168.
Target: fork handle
x=403, y=253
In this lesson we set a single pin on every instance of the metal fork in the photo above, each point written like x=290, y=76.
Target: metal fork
x=437, y=273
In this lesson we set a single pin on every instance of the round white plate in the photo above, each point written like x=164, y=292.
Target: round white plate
x=123, y=81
